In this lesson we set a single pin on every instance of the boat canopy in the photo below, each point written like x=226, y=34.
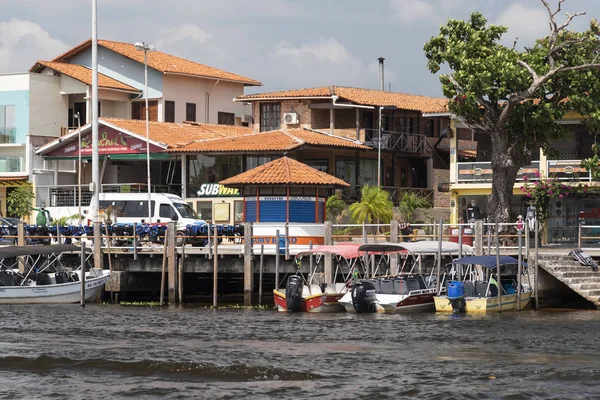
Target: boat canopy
x=15, y=251
x=488, y=261
x=345, y=250
x=423, y=247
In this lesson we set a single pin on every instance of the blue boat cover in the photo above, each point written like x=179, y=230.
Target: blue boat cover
x=488, y=261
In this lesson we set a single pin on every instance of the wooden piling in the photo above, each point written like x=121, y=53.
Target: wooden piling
x=180, y=272
x=82, y=300
x=479, y=238
x=21, y=242
x=260, y=273
x=287, y=241
x=108, y=248
x=162, y=276
x=439, y=260
x=247, y=264
x=498, y=267
x=519, y=268
x=135, y=242
x=537, y=270
x=97, y=245
x=394, y=239
x=171, y=260
x=328, y=240
x=215, y=266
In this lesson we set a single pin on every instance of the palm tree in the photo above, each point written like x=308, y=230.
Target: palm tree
x=375, y=204
x=409, y=203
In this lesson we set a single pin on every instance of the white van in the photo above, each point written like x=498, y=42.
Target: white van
x=133, y=207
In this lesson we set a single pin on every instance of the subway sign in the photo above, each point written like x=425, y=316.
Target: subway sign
x=216, y=190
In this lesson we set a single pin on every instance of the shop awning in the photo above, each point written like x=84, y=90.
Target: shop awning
x=14, y=181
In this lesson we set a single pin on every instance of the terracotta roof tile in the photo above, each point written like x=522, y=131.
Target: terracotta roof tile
x=284, y=171
x=176, y=135
x=361, y=96
x=279, y=140
x=83, y=74
x=162, y=62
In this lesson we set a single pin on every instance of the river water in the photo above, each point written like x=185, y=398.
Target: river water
x=112, y=351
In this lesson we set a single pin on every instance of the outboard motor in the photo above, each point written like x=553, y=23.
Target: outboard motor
x=363, y=297
x=293, y=293
x=456, y=295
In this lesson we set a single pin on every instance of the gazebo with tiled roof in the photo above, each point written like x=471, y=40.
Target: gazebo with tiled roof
x=284, y=190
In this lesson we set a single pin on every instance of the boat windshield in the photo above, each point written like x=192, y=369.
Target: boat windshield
x=185, y=210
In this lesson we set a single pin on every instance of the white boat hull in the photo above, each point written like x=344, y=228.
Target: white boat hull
x=69, y=292
x=421, y=300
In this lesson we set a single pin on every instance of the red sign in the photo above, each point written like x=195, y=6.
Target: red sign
x=110, y=141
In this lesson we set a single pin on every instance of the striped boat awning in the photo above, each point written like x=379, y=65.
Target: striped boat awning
x=14, y=181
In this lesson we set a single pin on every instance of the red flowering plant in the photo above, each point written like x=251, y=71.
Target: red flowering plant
x=540, y=192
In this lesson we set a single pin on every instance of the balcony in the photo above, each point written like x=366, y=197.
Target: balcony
x=8, y=135
x=12, y=164
x=396, y=141
x=564, y=170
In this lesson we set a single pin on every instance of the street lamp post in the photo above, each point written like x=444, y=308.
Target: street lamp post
x=141, y=46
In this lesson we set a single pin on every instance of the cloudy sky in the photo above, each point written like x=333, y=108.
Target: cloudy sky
x=283, y=43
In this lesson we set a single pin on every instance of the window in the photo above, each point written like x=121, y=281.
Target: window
x=169, y=111
x=8, y=131
x=128, y=208
x=270, y=116
x=165, y=211
x=255, y=161
x=321, y=165
x=345, y=169
x=204, y=210
x=226, y=118
x=238, y=209
x=190, y=112
x=138, y=110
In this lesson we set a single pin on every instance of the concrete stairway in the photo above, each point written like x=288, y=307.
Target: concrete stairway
x=577, y=277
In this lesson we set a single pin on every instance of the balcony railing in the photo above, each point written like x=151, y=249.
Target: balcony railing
x=482, y=172
x=12, y=164
x=396, y=141
x=8, y=135
x=568, y=170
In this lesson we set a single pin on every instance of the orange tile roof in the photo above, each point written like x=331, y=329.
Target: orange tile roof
x=369, y=97
x=175, y=135
x=162, y=62
x=284, y=171
x=279, y=140
x=83, y=74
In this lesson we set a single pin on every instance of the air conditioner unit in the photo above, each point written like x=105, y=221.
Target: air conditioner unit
x=246, y=118
x=290, y=118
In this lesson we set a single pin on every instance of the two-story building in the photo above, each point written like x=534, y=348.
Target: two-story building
x=54, y=98
x=471, y=180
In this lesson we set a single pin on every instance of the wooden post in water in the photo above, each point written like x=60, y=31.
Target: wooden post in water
x=209, y=242
x=97, y=245
x=215, y=266
x=519, y=269
x=57, y=234
x=108, y=248
x=498, y=267
x=527, y=241
x=310, y=256
x=579, y=237
x=364, y=233
x=180, y=272
x=439, y=259
x=82, y=300
x=277, y=259
x=328, y=240
x=171, y=260
x=162, y=276
x=260, y=273
x=248, y=273
x=537, y=270
x=394, y=239
x=135, y=241
x=489, y=239
x=460, y=241
x=21, y=242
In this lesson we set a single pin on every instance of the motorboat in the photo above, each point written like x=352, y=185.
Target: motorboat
x=408, y=289
x=320, y=290
x=473, y=285
x=35, y=275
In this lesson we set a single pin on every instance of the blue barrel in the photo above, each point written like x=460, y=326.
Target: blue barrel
x=456, y=290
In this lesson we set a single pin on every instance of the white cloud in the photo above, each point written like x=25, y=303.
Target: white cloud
x=185, y=32
x=23, y=42
x=326, y=49
x=525, y=22
x=413, y=10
